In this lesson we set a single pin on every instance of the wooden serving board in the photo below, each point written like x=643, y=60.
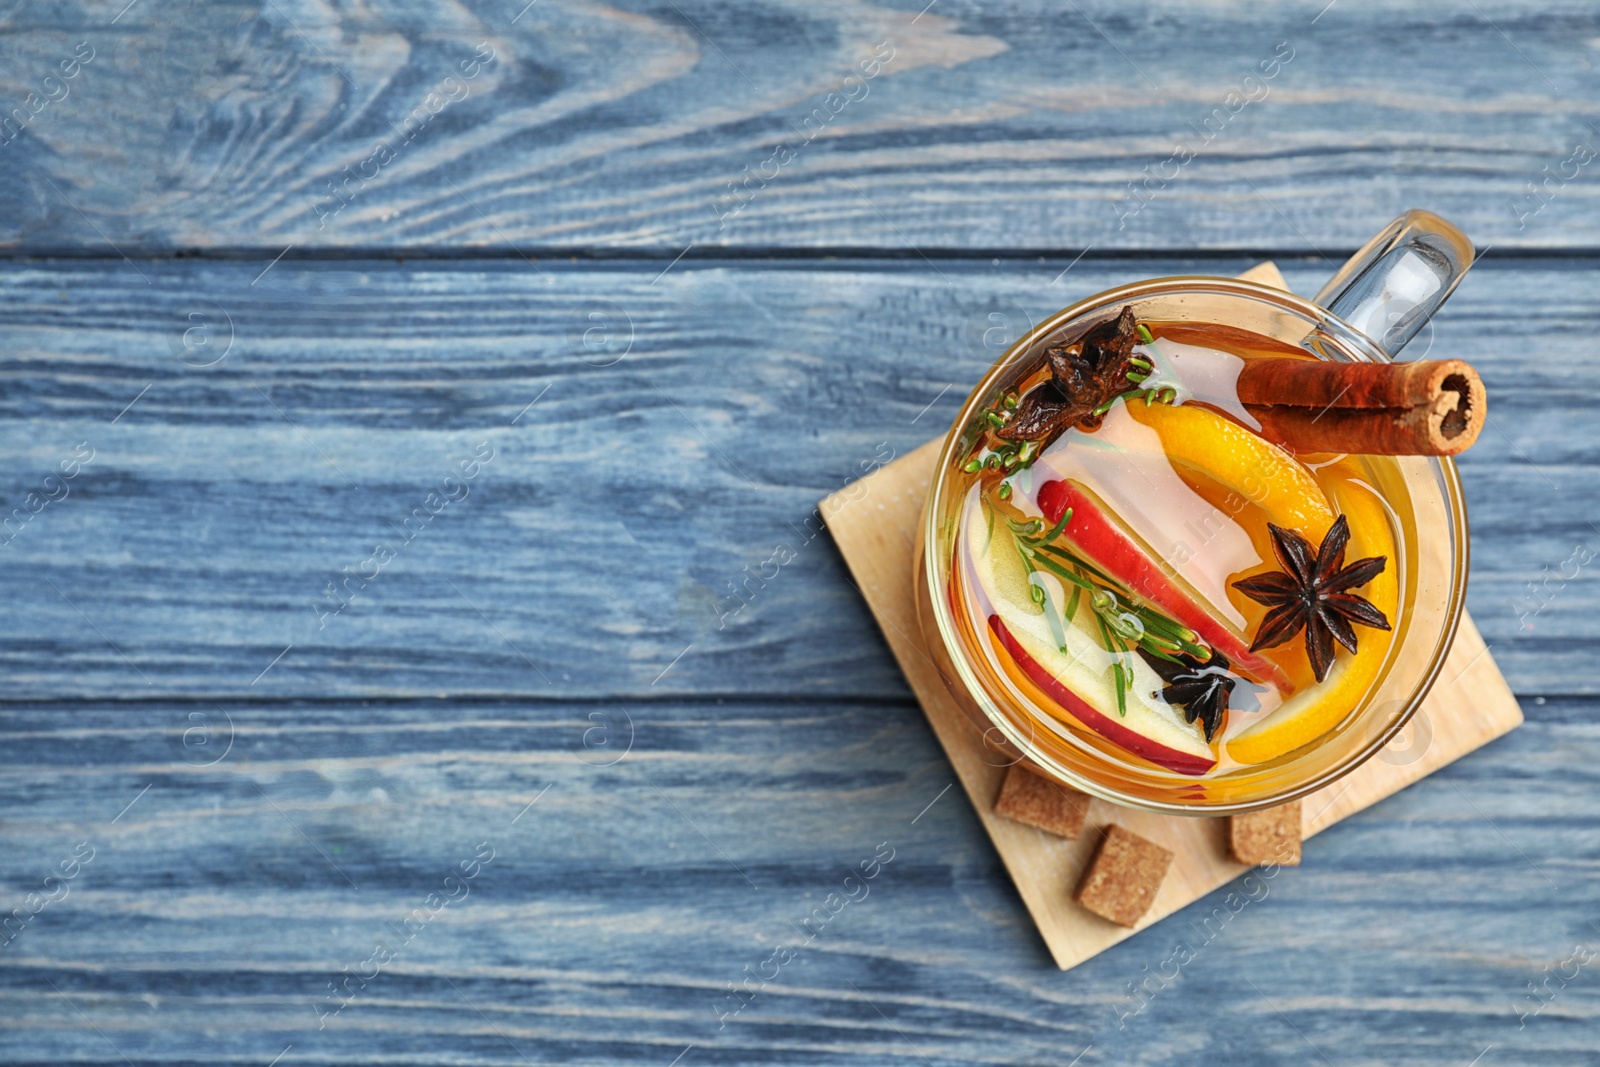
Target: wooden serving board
x=874, y=522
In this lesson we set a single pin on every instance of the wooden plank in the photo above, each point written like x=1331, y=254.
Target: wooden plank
x=874, y=522
x=607, y=928
x=216, y=508
x=1013, y=125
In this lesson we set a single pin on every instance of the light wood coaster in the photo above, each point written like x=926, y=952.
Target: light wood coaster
x=874, y=522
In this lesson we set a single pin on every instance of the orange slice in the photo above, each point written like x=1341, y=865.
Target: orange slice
x=1312, y=712
x=1227, y=453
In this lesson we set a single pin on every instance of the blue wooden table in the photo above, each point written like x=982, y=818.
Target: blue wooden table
x=396, y=394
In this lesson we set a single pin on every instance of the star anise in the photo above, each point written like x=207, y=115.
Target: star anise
x=1201, y=689
x=1311, y=592
x=1085, y=376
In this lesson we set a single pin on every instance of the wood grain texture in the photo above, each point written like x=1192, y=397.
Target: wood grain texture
x=607, y=927
x=631, y=513
x=231, y=125
x=577, y=589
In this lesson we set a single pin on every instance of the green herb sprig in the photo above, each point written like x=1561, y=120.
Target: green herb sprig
x=1124, y=621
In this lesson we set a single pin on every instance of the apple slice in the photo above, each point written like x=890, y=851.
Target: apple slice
x=1162, y=738
x=1102, y=541
x=1078, y=680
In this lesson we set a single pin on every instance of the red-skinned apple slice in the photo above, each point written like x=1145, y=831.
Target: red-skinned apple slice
x=1079, y=680
x=1104, y=544
x=1163, y=740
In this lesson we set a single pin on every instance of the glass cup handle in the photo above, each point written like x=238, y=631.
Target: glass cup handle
x=1390, y=288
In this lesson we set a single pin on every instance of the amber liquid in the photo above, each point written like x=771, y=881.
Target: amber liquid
x=1191, y=488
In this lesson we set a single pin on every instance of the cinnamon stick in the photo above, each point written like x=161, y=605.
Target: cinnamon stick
x=1427, y=408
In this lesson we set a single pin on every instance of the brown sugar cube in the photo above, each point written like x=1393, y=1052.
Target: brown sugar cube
x=1123, y=877
x=1269, y=836
x=1037, y=801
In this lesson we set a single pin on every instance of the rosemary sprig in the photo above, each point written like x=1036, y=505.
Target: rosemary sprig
x=1072, y=602
x=1125, y=621
x=1066, y=573
x=1078, y=561
x=1009, y=458
x=1156, y=387
x=1116, y=667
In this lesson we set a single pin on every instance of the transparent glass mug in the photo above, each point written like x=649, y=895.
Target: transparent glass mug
x=1367, y=312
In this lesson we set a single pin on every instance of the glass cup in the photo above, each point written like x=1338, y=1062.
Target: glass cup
x=1390, y=288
